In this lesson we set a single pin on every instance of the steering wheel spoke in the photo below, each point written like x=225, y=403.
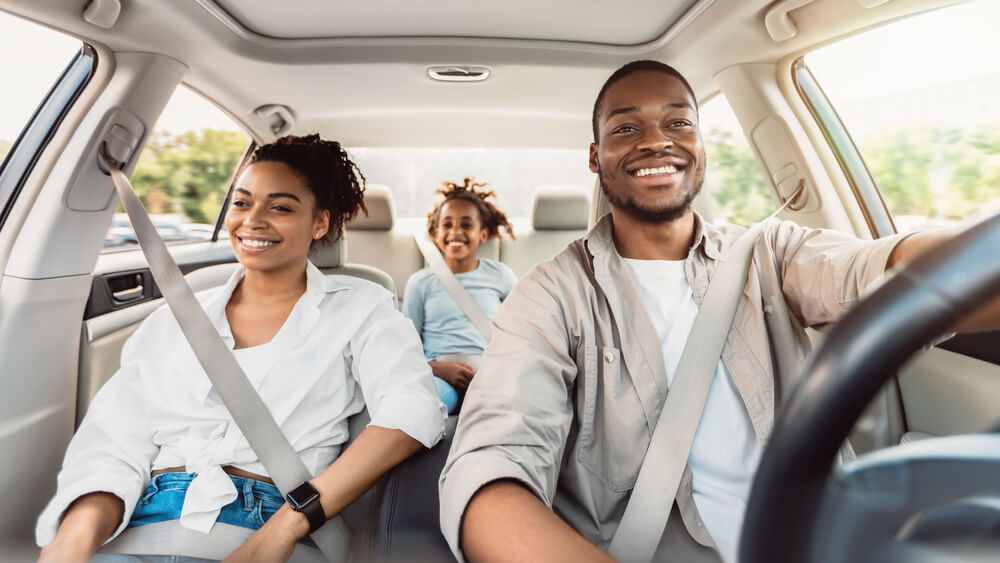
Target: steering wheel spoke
x=909, y=495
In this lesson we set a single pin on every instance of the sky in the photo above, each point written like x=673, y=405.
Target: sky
x=882, y=62
x=50, y=53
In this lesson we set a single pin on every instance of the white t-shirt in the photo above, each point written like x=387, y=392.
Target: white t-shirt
x=726, y=451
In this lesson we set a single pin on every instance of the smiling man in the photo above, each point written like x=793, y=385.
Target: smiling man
x=557, y=424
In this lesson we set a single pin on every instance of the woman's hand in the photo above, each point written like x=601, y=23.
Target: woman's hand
x=275, y=541
x=456, y=374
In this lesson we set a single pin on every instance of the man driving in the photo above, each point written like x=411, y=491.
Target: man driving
x=556, y=427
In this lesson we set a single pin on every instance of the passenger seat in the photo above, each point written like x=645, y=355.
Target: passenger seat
x=558, y=217
x=332, y=260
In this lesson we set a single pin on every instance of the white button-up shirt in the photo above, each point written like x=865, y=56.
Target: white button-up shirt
x=343, y=346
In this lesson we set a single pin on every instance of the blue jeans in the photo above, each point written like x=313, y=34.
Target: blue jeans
x=255, y=502
x=448, y=395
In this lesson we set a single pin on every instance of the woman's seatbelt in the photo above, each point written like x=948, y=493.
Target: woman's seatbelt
x=655, y=489
x=454, y=287
x=244, y=404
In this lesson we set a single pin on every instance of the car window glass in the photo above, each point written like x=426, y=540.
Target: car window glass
x=921, y=100
x=732, y=176
x=31, y=59
x=184, y=172
x=414, y=174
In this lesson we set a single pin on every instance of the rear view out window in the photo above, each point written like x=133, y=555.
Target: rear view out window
x=921, y=100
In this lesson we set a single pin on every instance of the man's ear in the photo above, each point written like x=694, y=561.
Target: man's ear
x=594, y=166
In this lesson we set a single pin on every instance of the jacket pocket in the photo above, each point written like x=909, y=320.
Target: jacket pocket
x=613, y=432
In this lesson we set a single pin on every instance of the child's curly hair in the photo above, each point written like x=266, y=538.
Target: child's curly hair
x=329, y=173
x=494, y=220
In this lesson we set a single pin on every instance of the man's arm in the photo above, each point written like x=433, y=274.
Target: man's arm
x=505, y=522
x=512, y=433
x=985, y=318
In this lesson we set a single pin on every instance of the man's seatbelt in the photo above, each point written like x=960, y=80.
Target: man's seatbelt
x=655, y=488
x=454, y=287
x=244, y=404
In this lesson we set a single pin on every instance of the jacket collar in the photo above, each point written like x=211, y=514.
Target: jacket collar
x=640, y=344
x=707, y=237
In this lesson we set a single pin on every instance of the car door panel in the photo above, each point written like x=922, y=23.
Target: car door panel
x=948, y=393
x=105, y=333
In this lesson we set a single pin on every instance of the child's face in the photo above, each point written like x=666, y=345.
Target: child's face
x=272, y=218
x=460, y=230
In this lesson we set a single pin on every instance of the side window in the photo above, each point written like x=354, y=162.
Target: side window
x=42, y=73
x=184, y=172
x=733, y=177
x=920, y=99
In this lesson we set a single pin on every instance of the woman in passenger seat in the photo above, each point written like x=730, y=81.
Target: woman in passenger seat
x=464, y=219
x=157, y=443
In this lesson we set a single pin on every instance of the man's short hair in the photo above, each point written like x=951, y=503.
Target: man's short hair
x=633, y=67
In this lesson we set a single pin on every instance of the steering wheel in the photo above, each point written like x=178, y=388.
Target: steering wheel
x=916, y=502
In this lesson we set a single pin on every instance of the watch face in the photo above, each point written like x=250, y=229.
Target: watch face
x=302, y=495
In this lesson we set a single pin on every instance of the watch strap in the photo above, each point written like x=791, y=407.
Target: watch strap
x=311, y=508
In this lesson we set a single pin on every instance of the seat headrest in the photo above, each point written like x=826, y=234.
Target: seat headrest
x=333, y=255
x=560, y=208
x=378, y=200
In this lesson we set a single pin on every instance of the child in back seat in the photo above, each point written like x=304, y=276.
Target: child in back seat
x=464, y=219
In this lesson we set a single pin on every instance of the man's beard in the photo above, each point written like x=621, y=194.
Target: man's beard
x=630, y=206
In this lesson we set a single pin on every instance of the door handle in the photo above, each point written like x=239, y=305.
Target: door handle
x=125, y=295
x=127, y=287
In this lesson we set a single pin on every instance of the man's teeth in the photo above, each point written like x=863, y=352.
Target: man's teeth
x=258, y=243
x=661, y=170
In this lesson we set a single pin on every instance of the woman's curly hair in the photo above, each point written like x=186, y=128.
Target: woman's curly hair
x=493, y=220
x=334, y=180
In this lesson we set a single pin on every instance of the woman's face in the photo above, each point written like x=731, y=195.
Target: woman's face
x=460, y=230
x=272, y=218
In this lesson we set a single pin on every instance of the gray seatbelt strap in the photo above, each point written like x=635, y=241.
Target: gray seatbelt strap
x=655, y=488
x=244, y=404
x=454, y=287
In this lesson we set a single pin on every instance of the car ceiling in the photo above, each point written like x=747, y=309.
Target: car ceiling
x=358, y=72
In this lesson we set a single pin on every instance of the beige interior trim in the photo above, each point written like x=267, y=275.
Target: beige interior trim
x=948, y=393
x=779, y=142
x=837, y=180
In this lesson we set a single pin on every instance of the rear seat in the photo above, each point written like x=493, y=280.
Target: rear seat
x=372, y=240
x=384, y=241
x=558, y=217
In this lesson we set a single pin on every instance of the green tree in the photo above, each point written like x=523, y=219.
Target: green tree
x=188, y=173
x=738, y=189
x=946, y=172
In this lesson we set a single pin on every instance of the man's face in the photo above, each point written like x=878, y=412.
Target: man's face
x=649, y=153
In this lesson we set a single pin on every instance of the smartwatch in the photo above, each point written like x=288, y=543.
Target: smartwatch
x=305, y=499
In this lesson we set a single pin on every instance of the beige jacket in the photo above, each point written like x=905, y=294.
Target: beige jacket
x=573, y=380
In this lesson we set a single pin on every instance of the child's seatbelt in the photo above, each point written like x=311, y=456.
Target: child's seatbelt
x=454, y=287
x=237, y=393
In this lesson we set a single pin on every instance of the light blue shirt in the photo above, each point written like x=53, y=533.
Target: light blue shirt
x=442, y=325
